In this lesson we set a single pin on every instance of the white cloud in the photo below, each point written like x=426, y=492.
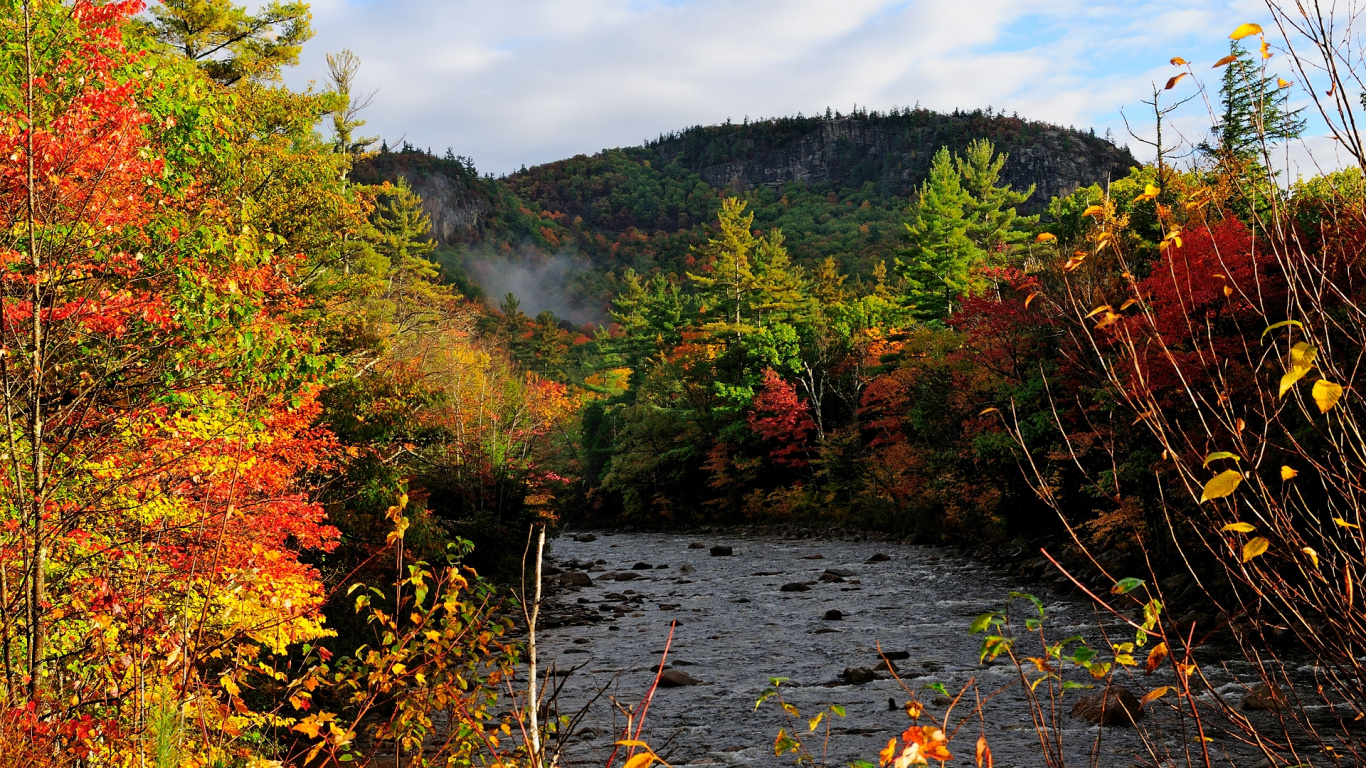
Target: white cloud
x=514, y=82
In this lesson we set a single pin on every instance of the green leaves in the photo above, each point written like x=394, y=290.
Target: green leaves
x=1221, y=455
x=1125, y=586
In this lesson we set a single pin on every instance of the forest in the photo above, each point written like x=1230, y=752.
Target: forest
x=273, y=464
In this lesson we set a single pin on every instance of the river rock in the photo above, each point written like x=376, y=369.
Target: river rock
x=795, y=586
x=1113, y=706
x=672, y=678
x=813, y=557
x=830, y=578
x=697, y=545
x=839, y=572
x=642, y=567
x=834, y=614
x=895, y=655
x=627, y=576
x=720, y=550
x=686, y=568
x=1264, y=696
x=576, y=579
x=585, y=537
x=886, y=666
x=877, y=558
x=857, y=675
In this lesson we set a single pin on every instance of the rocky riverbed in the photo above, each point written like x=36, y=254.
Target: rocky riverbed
x=813, y=612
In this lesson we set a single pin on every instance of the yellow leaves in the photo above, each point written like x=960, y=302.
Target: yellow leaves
x=1266, y=51
x=816, y=721
x=1045, y=237
x=642, y=760
x=1301, y=361
x=1185, y=670
x=1110, y=319
x=1283, y=83
x=1124, y=654
x=1239, y=528
x=1326, y=394
x=1217, y=455
x=1030, y=298
x=983, y=753
x=1255, y=548
x=914, y=709
x=1245, y=30
x=1344, y=524
x=1155, y=657
x=1177, y=61
x=1094, y=210
x=1076, y=261
x=1154, y=694
x=1173, y=237
x=1221, y=485
x=888, y=753
x=1288, y=473
x=1225, y=60
x=1313, y=555
x=400, y=528
x=1097, y=311
x=1171, y=83
x=230, y=685
x=1150, y=192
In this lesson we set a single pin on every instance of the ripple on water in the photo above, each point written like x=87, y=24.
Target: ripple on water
x=737, y=630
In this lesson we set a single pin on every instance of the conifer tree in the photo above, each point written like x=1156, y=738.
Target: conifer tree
x=993, y=225
x=229, y=43
x=827, y=284
x=939, y=255
x=779, y=287
x=1253, y=111
x=731, y=277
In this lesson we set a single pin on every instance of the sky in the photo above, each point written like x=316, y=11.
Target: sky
x=514, y=83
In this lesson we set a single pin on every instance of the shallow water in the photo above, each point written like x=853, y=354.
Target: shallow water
x=737, y=629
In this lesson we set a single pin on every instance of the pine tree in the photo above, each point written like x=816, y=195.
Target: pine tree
x=939, y=255
x=779, y=287
x=993, y=225
x=827, y=284
x=731, y=278
x=342, y=68
x=229, y=43
x=1253, y=111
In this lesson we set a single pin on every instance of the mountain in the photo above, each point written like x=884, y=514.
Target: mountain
x=838, y=186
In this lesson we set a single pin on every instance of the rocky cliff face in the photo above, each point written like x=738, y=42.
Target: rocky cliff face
x=453, y=195
x=892, y=152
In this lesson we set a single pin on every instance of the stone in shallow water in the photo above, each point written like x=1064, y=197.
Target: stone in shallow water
x=720, y=550
x=673, y=678
x=642, y=567
x=839, y=572
x=576, y=579
x=834, y=614
x=697, y=545
x=795, y=586
x=895, y=655
x=585, y=537
x=877, y=558
x=813, y=557
x=857, y=675
x=1115, y=705
x=1264, y=697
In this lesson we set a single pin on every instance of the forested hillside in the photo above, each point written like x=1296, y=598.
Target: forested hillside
x=838, y=186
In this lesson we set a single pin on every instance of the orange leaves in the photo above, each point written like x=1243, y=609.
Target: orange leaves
x=1150, y=192
x=1155, y=657
x=1045, y=237
x=1154, y=695
x=1177, y=61
x=1077, y=259
x=1226, y=60
x=983, y=753
x=1171, y=83
x=1245, y=30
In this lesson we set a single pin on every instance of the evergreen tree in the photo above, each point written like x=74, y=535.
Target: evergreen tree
x=342, y=68
x=1253, y=111
x=725, y=288
x=939, y=254
x=229, y=43
x=993, y=225
x=779, y=286
x=827, y=284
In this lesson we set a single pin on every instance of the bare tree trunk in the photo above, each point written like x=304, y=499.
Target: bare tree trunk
x=38, y=483
x=533, y=697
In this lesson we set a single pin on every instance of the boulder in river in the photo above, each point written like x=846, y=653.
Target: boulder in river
x=839, y=572
x=585, y=537
x=686, y=569
x=895, y=655
x=1263, y=696
x=721, y=550
x=795, y=586
x=627, y=576
x=834, y=614
x=886, y=666
x=878, y=558
x=1113, y=706
x=857, y=675
x=813, y=557
x=576, y=579
x=642, y=567
x=672, y=678
x=697, y=545
x=830, y=578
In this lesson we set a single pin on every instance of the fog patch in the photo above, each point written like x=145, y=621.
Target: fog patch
x=540, y=281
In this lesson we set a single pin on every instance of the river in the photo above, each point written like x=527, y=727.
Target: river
x=736, y=628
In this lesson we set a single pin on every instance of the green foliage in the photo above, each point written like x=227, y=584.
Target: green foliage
x=230, y=43
x=1254, y=111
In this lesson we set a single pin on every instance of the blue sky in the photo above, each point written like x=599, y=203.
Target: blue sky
x=520, y=82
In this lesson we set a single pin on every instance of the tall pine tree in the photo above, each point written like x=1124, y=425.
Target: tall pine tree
x=939, y=255
x=1254, y=111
